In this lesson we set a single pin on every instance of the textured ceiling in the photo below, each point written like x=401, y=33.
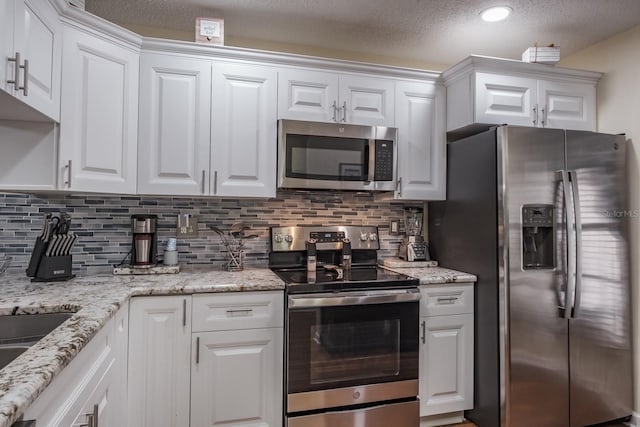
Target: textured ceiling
x=427, y=31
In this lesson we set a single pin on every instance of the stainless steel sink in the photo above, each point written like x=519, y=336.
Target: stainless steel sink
x=18, y=333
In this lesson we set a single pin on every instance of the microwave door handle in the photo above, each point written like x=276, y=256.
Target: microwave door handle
x=372, y=160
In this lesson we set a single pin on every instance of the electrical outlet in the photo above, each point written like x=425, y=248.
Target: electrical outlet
x=394, y=226
x=187, y=225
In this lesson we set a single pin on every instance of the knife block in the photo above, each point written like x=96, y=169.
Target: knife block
x=54, y=269
x=45, y=268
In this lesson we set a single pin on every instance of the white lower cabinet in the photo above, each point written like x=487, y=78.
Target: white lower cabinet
x=446, y=352
x=91, y=390
x=236, y=378
x=206, y=360
x=159, y=361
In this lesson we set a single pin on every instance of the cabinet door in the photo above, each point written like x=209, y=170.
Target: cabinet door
x=38, y=38
x=174, y=137
x=367, y=101
x=244, y=130
x=446, y=364
x=98, y=404
x=567, y=105
x=422, y=159
x=6, y=45
x=90, y=378
x=236, y=378
x=99, y=129
x=503, y=99
x=159, y=361
x=307, y=95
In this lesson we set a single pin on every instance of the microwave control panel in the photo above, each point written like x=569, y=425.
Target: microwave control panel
x=384, y=161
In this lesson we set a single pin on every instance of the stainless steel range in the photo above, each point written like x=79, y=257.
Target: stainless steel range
x=351, y=330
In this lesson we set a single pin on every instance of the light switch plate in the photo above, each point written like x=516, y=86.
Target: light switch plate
x=187, y=225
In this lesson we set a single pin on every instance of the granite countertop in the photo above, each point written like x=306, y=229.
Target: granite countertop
x=95, y=299
x=436, y=275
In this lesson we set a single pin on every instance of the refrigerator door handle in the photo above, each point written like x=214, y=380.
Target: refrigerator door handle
x=573, y=176
x=571, y=244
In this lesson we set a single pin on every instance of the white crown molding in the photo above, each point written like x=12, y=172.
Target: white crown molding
x=80, y=19
x=176, y=47
x=511, y=66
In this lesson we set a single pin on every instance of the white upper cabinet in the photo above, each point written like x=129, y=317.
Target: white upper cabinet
x=31, y=48
x=308, y=95
x=567, y=105
x=331, y=97
x=174, y=135
x=244, y=130
x=420, y=121
x=367, y=100
x=99, y=113
x=206, y=128
x=489, y=91
x=505, y=99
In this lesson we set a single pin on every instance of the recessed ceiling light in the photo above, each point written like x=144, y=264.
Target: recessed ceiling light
x=495, y=14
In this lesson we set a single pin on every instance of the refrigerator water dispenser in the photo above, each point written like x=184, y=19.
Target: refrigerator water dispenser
x=537, y=237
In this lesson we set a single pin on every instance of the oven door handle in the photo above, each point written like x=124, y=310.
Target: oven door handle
x=353, y=298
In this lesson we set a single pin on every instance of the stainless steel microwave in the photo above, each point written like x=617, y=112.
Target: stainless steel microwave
x=315, y=155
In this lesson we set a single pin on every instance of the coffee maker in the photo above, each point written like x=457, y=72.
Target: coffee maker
x=413, y=246
x=145, y=241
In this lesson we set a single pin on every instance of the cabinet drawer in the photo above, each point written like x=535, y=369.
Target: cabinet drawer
x=444, y=300
x=238, y=310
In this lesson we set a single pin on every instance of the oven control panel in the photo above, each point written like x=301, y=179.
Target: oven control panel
x=327, y=236
x=289, y=239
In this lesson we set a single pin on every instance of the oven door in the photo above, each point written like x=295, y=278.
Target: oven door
x=351, y=348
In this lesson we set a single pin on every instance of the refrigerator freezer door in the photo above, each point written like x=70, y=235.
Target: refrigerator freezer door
x=536, y=334
x=600, y=329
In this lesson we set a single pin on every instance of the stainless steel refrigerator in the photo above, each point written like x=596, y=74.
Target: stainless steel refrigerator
x=540, y=216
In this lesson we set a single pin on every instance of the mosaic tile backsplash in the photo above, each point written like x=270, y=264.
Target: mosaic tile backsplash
x=103, y=223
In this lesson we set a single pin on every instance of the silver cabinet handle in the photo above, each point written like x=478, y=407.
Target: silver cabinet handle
x=68, y=181
x=447, y=300
x=215, y=182
x=90, y=419
x=184, y=312
x=202, y=182
x=543, y=122
x=197, y=350
x=25, y=86
x=239, y=310
x=423, y=338
x=399, y=186
x=344, y=112
x=335, y=111
x=96, y=413
x=535, y=114
x=16, y=71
